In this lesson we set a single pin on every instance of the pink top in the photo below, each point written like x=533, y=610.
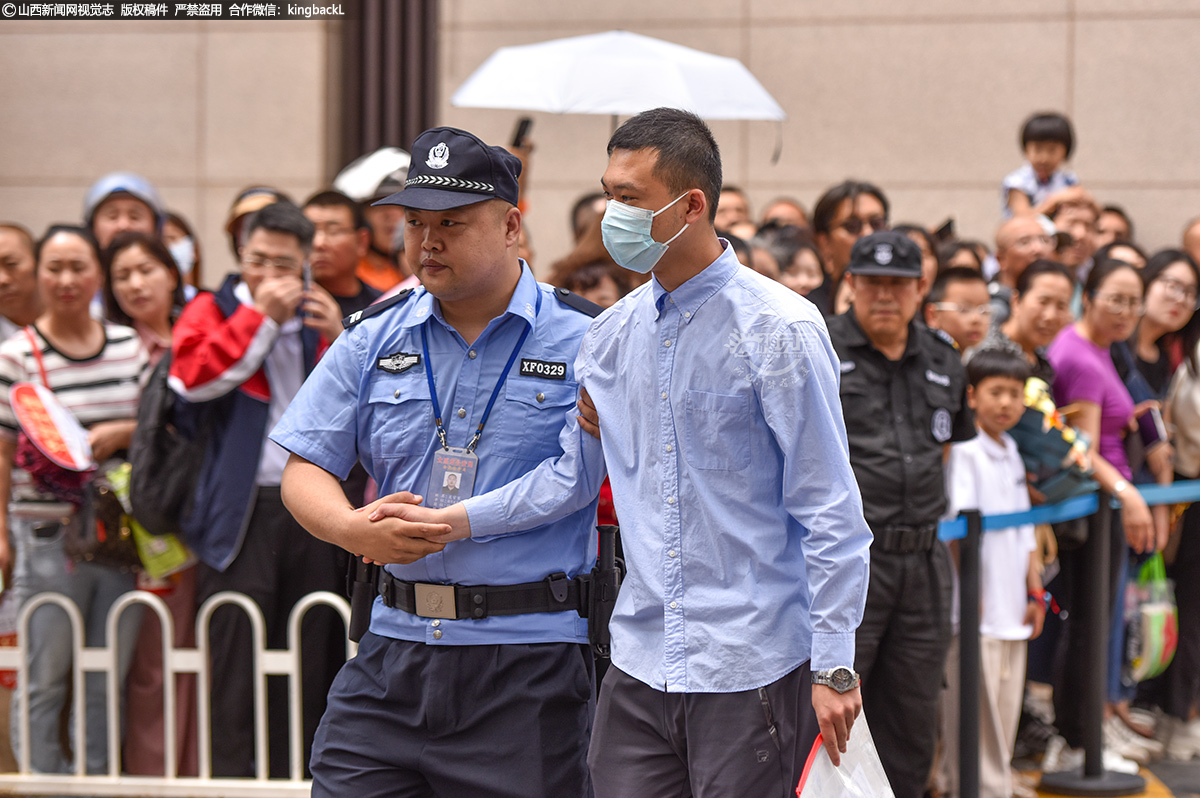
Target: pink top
x=1084, y=372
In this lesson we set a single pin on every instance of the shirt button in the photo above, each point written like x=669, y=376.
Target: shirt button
x=472, y=354
x=664, y=394
x=437, y=622
x=667, y=343
x=541, y=397
x=437, y=634
x=670, y=448
x=670, y=500
x=674, y=605
x=396, y=395
x=899, y=419
x=462, y=412
x=908, y=458
x=687, y=314
x=671, y=553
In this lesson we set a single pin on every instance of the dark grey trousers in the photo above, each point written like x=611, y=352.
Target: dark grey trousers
x=648, y=743
x=900, y=652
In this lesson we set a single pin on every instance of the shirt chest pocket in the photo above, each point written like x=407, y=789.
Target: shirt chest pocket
x=862, y=403
x=716, y=429
x=535, y=411
x=400, y=422
x=942, y=405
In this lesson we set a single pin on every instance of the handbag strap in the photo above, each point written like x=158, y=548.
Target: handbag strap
x=37, y=354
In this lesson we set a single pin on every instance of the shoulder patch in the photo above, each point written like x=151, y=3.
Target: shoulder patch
x=944, y=337
x=576, y=302
x=378, y=307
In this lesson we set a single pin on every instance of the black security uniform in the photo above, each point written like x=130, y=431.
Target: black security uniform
x=899, y=417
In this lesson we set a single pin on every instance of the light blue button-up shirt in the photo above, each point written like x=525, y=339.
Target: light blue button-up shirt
x=351, y=409
x=740, y=516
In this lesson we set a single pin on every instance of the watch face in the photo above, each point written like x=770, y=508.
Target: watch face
x=842, y=679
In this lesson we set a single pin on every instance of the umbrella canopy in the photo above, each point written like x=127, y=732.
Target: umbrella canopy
x=616, y=73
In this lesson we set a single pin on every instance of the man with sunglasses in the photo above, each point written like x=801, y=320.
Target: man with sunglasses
x=844, y=213
x=903, y=392
x=239, y=357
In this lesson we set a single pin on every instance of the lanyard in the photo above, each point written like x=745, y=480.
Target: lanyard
x=437, y=408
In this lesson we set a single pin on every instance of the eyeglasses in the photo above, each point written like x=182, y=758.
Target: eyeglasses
x=1027, y=241
x=1116, y=303
x=854, y=225
x=258, y=262
x=1179, y=292
x=984, y=311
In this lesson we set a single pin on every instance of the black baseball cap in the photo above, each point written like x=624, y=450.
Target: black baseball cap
x=452, y=168
x=885, y=254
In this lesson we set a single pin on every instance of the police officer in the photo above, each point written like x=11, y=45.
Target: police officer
x=475, y=677
x=903, y=394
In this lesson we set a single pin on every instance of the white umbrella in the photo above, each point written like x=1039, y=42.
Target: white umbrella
x=617, y=73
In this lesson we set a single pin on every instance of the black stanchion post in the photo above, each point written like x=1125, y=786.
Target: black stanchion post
x=968, y=656
x=1091, y=608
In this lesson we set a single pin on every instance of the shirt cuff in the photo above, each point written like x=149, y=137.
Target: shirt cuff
x=832, y=651
x=486, y=516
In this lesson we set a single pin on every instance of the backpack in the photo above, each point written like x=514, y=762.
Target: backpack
x=166, y=461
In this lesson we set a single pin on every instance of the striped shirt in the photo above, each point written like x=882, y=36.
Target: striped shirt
x=103, y=387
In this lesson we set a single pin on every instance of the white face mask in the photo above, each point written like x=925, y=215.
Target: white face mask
x=626, y=233
x=184, y=253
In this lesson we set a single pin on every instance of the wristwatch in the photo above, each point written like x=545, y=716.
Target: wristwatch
x=842, y=679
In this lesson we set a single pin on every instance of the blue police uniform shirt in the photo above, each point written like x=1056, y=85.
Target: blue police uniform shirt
x=741, y=520
x=351, y=409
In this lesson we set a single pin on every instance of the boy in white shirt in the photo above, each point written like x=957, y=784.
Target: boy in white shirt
x=986, y=473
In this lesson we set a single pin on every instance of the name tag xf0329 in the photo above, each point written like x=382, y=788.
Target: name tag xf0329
x=543, y=368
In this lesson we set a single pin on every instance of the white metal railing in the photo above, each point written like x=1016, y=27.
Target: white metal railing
x=267, y=662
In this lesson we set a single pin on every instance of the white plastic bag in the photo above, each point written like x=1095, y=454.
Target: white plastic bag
x=859, y=776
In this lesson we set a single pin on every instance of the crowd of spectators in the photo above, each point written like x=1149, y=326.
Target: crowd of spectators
x=1063, y=294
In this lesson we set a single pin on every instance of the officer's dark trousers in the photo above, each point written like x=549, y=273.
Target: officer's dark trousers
x=650, y=743
x=409, y=720
x=279, y=564
x=900, y=653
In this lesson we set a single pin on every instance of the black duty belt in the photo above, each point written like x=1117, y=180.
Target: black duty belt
x=555, y=593
x=901, y=539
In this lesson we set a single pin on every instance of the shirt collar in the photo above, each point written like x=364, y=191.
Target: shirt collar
x=523, y=303
x=698, y=290
x=992, y=448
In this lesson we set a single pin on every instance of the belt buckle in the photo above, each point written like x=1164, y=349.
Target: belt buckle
x=435, y=601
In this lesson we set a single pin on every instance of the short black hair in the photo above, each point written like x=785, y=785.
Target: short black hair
x=949, y=249
x=1117, y=210
x=785, y=242
x=688, y=156
x=583, y=202
x=1048, y=126
x=827, y=205
x=331, y=198
x=738, y=245
x=1037, y=269
x=281, y=217
x=85, y=233
x=1105, y=252
x=997, y=363
x=1100, y=272
x=953, y=274
x=22, y=233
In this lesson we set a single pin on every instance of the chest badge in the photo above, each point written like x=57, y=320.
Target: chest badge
x=543, y=368
x=941, y=425
x=398, y=363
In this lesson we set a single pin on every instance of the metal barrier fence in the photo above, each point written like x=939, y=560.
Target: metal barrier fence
x=1092, y=779
x=267, y=662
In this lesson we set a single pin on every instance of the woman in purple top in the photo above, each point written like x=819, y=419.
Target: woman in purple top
x=1087, y=379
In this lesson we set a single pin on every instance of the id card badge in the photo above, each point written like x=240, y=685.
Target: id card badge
x=452, y=478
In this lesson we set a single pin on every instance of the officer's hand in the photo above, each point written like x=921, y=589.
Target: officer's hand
x=589, y=419
x=278, y=297
x=835, y=715
x=395, y=540
x=454, y=518
x=321, y=312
